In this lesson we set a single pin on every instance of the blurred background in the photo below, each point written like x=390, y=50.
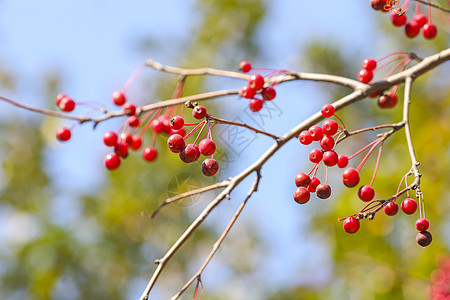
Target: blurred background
x=70, y=229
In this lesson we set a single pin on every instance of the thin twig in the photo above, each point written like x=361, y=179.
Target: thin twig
x=434, y=5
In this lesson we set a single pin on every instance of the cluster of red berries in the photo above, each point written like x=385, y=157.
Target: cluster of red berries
x=255, y=86
x=66, y=104
x=191, y=152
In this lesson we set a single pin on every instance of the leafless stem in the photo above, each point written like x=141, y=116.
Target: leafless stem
x=395, y=127
x=434, y=5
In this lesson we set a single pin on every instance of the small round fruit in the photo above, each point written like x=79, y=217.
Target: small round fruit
x=133, y=121
x=350, y=177
x=316, y=132
x=369, y=64
x=412, y=29
x=256, y=81
x=301, y=195
x=366, y=193
x=59, y=97
x=199, y=112
x=386, y=101
x=305, y=137
x=136, y=142
x=176, y=123
x=256, y=104
x=210, y=167
x=66, y=104
x=313, y=184
x=157, y=126
x=268, y=93
x=315, y=155
x=351, y=225
x=327, y=110
x=391, y=208
x=181, y=132
x=207, y=147
x=327, y=143
x=365, y=76
x=323, y=191
x=342, y=161
x=421, y=19
x=63, y=134
x=302, y=179
x=175, y=142
x=129, y=109
x=189, y=153
x=424, y=238
x=245, y=66
x=149, y=154
x=111, y=161
x=118, y=98
x=398, y=19
x=409, y=206
x=330, y=127
x=126, y=137
x=110, y=138
x=330, y=158
x=422, y=224
x=121, y=148
x=247, y=92
x=429, y=31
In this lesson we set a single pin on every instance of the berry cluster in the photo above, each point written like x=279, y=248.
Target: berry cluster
x=257, y=85
x=66, y=104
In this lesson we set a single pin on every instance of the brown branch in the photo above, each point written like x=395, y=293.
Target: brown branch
x=434, y=5
x=347, y=134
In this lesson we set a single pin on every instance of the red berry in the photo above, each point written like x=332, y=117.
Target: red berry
x=398, y=19
x=316, y=132
x=330, y=158
x=327, y=110
x=199, y=112
x=429, y=31
x=323, y=191
x=350, y=177
x=247, y=92
x=111, y=161
x=409, y=206
x=176, y=123
x=327, y=143
x=424, y=238
x=378, y=4
x=422, y=224
x=256, y=104
x=315, y=155
x=268, y=93
x=245, y=66
x=157, y=126
x=365, y=76
x=133, y=121
x=301, y=195
x=164, y=120
x=136, y=143
x=421, y=19
x=369, y=64
x=181, y=132
x=391, y=208
x=302, y=179
x=207, y=147
x=412, y=29
x=313, y=184
x=175, y=142
x=386, y=101
x=351, y=225
x=110, y=138
x=149, y=153
x=189, y=153
x=210, y=167
x=66, y=104
x=330, y=127
x=121, y=148
x=59, y=97
x=305, y=137
x=256, y=81
x=118, y=98
x=129, y=109
x=342, y=161
x=63, y=134
x=366, y=193
x=126, y=137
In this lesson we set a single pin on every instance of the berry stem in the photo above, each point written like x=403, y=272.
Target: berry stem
x=362, y=149
x=133, y=77
x=403, y=62
x=376, y=165
x=195, y=129
x=368, y=154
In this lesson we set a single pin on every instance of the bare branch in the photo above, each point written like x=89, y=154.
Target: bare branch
x=434, y=5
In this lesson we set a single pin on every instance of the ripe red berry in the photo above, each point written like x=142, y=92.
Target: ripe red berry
x=256, y=81
x=136, y=142
x=133, y=121
x=157, y=126
x=210, y=167
x=350, y=177
x=369, y=64
x=189, y=153
x=245, y=66
x=305, y=137
x=121, y=148
x=199, y=112
x=316, y=132
x=386, y=101
x=118, y=98
x=412, y=29
x=59, y=97
x=268, y=93
x=301, y=195
x=422, y=224
x=247, y=92
x=256, y=104
x=207, y=147
x=181, y=132
x=129, y=109
x=149, y=154
x=409, y=206
x=365, y=76
x=366, y=193
x=398, y=19
x=330, y=127
x=63, y=134
x=420, y=18
x=323, y=191
x=126, y=137
x=327, y=143
x=110, y=138
x=342, y=161
x=164, y=119
x=66, y=104
x=302, y=179
x=330, y=158
x=111, y=161
x=424, y=238
x=391, y=208
x=327, y=110
x=429, y=31
x=351, y=225
x=312, y=186
x=176, y=123
x=175, y=142
x=315, y=155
